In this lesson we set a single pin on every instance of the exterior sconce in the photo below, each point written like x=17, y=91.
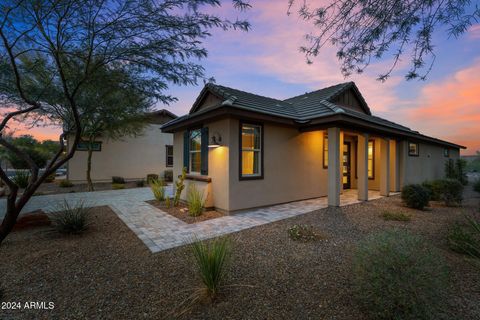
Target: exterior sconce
x=215, y=141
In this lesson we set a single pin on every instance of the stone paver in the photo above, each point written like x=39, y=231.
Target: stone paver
x=160, y=231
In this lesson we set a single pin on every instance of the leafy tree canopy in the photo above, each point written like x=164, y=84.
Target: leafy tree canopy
x=363, y=31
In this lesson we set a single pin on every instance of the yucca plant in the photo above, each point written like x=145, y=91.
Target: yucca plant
x=212, y=259
x=158, y=189
x=195, y=201
x=21, y=178
x=465, y=238
x=71, y=219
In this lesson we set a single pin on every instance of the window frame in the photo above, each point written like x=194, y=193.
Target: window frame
x=325, y=150
x=446, y=152
x=241, y=176
x=78, y=148
x=410, y=154
x=373, y=159
x=190, y=158
x=167, y=146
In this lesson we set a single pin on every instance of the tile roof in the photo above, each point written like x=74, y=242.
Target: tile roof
x=301, y=109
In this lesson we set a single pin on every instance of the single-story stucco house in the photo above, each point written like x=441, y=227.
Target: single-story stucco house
x=130, y=157
x=245, y=150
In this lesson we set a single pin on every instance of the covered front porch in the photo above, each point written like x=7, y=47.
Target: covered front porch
x=361, y=165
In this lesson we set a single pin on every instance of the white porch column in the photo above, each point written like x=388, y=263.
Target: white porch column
x=403, y=162
x=342, y=139
x=394, y=165
x=334, y=181
x=362, y=165
x=384, y=167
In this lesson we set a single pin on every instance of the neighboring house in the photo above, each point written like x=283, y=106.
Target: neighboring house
x=130, y=157
x=244, y=150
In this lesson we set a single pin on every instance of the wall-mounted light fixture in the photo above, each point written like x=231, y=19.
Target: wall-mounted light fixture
x=215, y=140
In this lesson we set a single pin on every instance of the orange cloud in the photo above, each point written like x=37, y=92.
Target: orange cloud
x=474, y=32
x=450, y=109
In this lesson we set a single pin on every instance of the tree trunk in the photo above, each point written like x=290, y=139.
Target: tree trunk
x=11, y=215
x=89, y=166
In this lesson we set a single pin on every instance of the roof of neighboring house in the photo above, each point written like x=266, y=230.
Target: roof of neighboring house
x=302, y=110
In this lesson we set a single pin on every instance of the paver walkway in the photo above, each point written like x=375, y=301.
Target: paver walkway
x=161, y=231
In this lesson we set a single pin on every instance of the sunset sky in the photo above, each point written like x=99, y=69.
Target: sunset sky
x=266, y=61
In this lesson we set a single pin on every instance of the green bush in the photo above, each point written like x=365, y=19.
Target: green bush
x=465, y=238
x=21, y=178
x=65, y=184
x=151, y=177
x=140, y=183
x=211, y=261
x=398, y=276
x=415, y=196
x=195, y=201
x=452, y=192
x=396, y=216
x=158, y=189
x=118, y=180
x=303, y=233
x=168, y=175
x=118, y=186
x=435, y=189
x=71, y=219
x=456, y=170
x=476, y=185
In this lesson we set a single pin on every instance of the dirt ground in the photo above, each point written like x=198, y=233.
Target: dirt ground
x=108, y=273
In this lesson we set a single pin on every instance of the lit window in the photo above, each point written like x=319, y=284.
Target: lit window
x=325, y=150
x=446, y=152
x=251, y=148
x=413, y=149
x=371, y=159
x=169, y=155
x=195, y=150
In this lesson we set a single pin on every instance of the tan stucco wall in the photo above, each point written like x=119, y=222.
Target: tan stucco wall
x=132, y=157
x=429, y=165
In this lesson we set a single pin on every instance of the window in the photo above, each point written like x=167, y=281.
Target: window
x=195, y=151
x=169, y=155
x=446, y=152
x=413, y=149
x=251, y=155
x=371, y=159
x=83, y=146
x=325, y=150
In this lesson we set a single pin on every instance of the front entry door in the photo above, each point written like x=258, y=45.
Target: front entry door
x=346, y=166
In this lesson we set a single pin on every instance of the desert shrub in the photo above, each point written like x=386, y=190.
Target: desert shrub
x=65, y=184
x=118, y=180
x=118, y=186
x=212, y=259
x=168, y=175
x=397, y=275
x=303, y=233
x=21, y=178
x=476, y=185
x=195, y=201
x=395, y=216
x=465, y=238
x=415, y=196
x=140, y=183
x=151, y=177
x=179, y=186
x=158, y=189
x=452, y=192
x=168, y=202
x=456, y=170
x=50, y=178
x=434, y=189
x=71, y=219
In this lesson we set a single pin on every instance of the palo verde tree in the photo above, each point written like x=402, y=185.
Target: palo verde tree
x=49, y=50
x=363, y=31
x=112, y=107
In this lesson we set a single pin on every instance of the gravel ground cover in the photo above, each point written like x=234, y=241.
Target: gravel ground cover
x=181, y=212
x=108, y=273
